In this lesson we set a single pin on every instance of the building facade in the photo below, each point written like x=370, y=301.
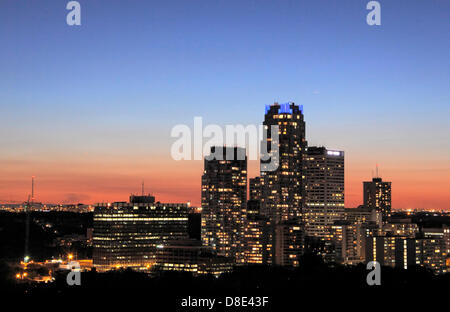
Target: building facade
x=258, y=236
x=283, y=188
x=255, y=188
x=377, y=195
x=190, y=256
x=289, y=243
x=348, y=241
x=224, y=201
x=324, y=190
x=404, y=252
x=362, y=215
x=127, y=234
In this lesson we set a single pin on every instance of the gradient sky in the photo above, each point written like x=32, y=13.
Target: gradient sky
x=89, y=109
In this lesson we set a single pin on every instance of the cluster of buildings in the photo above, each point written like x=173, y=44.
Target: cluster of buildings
x=272, y=219
x=147, y=235
x=39, y=207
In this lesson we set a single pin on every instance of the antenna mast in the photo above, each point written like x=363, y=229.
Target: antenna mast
x=32, y=189
x=27, y=222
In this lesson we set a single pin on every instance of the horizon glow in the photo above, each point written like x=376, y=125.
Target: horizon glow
x=88, y=109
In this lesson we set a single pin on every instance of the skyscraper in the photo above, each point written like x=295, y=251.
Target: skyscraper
x=283, y=195
x=224, y=201
x=324, y=190
x=255, y=188
x=283, y=188
x=257, y=236
x=377, y=195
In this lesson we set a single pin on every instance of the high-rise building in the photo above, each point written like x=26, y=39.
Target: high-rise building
x=255, y=188
x=383, y=249
x=224, y=201
x=289, y=243
x=127, y=234
x=446, y=237
x=324, y=190
x=377, y=195
x=283, y=188
x=431, y=253
x=348, y=241
x=257, y=236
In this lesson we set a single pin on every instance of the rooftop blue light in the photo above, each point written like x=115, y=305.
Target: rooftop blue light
x=285, y=108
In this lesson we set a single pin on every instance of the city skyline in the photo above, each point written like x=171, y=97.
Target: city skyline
x=224, y=154
x=169, y=197
x=89, y=109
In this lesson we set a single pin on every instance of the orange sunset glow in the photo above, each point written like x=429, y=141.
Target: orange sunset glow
x=90, y=182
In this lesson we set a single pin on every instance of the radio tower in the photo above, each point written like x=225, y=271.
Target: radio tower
x=29, y=205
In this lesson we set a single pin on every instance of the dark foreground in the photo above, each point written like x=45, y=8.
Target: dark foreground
x=286, y=289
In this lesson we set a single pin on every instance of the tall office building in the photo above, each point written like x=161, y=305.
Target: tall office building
x=324, y=190
x=127, y=234
x=257, y=236
x=283, y=188
x=255, y=188
x=224, y=201
x=377, y=195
